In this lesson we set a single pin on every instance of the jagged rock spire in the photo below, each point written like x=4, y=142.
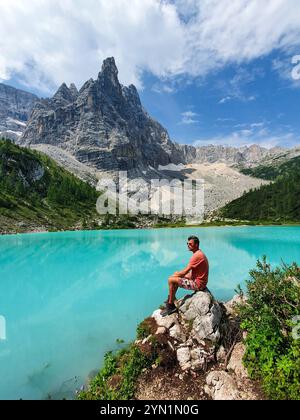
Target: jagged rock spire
x=109, y=71
x=109, y=66
x=64, y=93
x=73, y=89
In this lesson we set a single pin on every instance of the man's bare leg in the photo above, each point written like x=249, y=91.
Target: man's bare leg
x=173, y=287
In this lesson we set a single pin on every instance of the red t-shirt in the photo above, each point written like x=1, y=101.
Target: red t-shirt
x=200, y=269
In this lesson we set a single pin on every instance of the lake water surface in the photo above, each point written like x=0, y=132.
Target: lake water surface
x=66, y=297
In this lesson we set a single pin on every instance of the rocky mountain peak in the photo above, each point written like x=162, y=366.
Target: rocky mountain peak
x=64, y=94
x=132, y=97
x=109, y=68
x=108, y=78
x=73, y=89
x=104, y=126
x=15, y=108
x=86, y=85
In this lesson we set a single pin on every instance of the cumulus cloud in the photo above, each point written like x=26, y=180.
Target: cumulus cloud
x=225, y=31
x=45, y=42
x=189, y=117
x=224, y=100
x=254, y=133
x=50, y=41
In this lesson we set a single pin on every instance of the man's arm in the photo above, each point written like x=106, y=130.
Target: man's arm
x=183, y=272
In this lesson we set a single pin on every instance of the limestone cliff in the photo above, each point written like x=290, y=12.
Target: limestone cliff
x=15, y=108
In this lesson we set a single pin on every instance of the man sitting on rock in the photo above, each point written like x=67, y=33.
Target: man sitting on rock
x=193, y=277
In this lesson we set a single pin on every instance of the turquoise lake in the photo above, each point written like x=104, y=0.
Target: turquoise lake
x=66, y=297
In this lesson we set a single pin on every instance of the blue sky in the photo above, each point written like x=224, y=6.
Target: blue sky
x=211, y=71
x=240, y=104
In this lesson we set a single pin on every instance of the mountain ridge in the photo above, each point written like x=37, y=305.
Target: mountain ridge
x=104, y=126
x=15, y=109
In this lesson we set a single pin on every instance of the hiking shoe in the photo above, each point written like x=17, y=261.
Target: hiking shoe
x=170, y=309
x=167, y=300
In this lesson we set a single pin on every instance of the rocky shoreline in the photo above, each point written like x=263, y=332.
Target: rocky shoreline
x=200, y=354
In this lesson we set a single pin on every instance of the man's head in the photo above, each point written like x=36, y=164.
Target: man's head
x=193, y=243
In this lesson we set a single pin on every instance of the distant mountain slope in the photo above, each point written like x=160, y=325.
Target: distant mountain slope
x=272, y=171
x=278, y=201
x=36, y=192
x=15, y=109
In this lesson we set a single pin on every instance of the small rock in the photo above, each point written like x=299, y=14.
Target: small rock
x=166, y=322
x=188, y=343
x=161, y=330
x=196, y=353
x=236, y=361
x=186, y=366
x=184, y=357
x=177, y=333
x=220, y=386
x=231, y=305
x=221, y=354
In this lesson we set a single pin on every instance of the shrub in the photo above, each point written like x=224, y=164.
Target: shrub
x=145, y=328
x=117, y=379
x=272, y=353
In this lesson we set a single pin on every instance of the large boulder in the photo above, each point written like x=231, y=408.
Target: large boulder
x=205, y=314
x=194, y=330
x=231, y=306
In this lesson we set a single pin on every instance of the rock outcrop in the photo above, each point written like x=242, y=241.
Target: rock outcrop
x=195, y=330
x=15, y=109
x=246, y=156
x=197, y=340
x=221, y=386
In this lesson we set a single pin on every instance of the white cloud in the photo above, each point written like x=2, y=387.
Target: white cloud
x=224, y=100
x=255, y=133
x=189, y=117
x=237, y=31
x=285, y=68
x=163, y=88
x=45, y=42
x=225, y=120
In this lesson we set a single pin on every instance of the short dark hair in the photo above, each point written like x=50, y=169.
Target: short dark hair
x=195, y=239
